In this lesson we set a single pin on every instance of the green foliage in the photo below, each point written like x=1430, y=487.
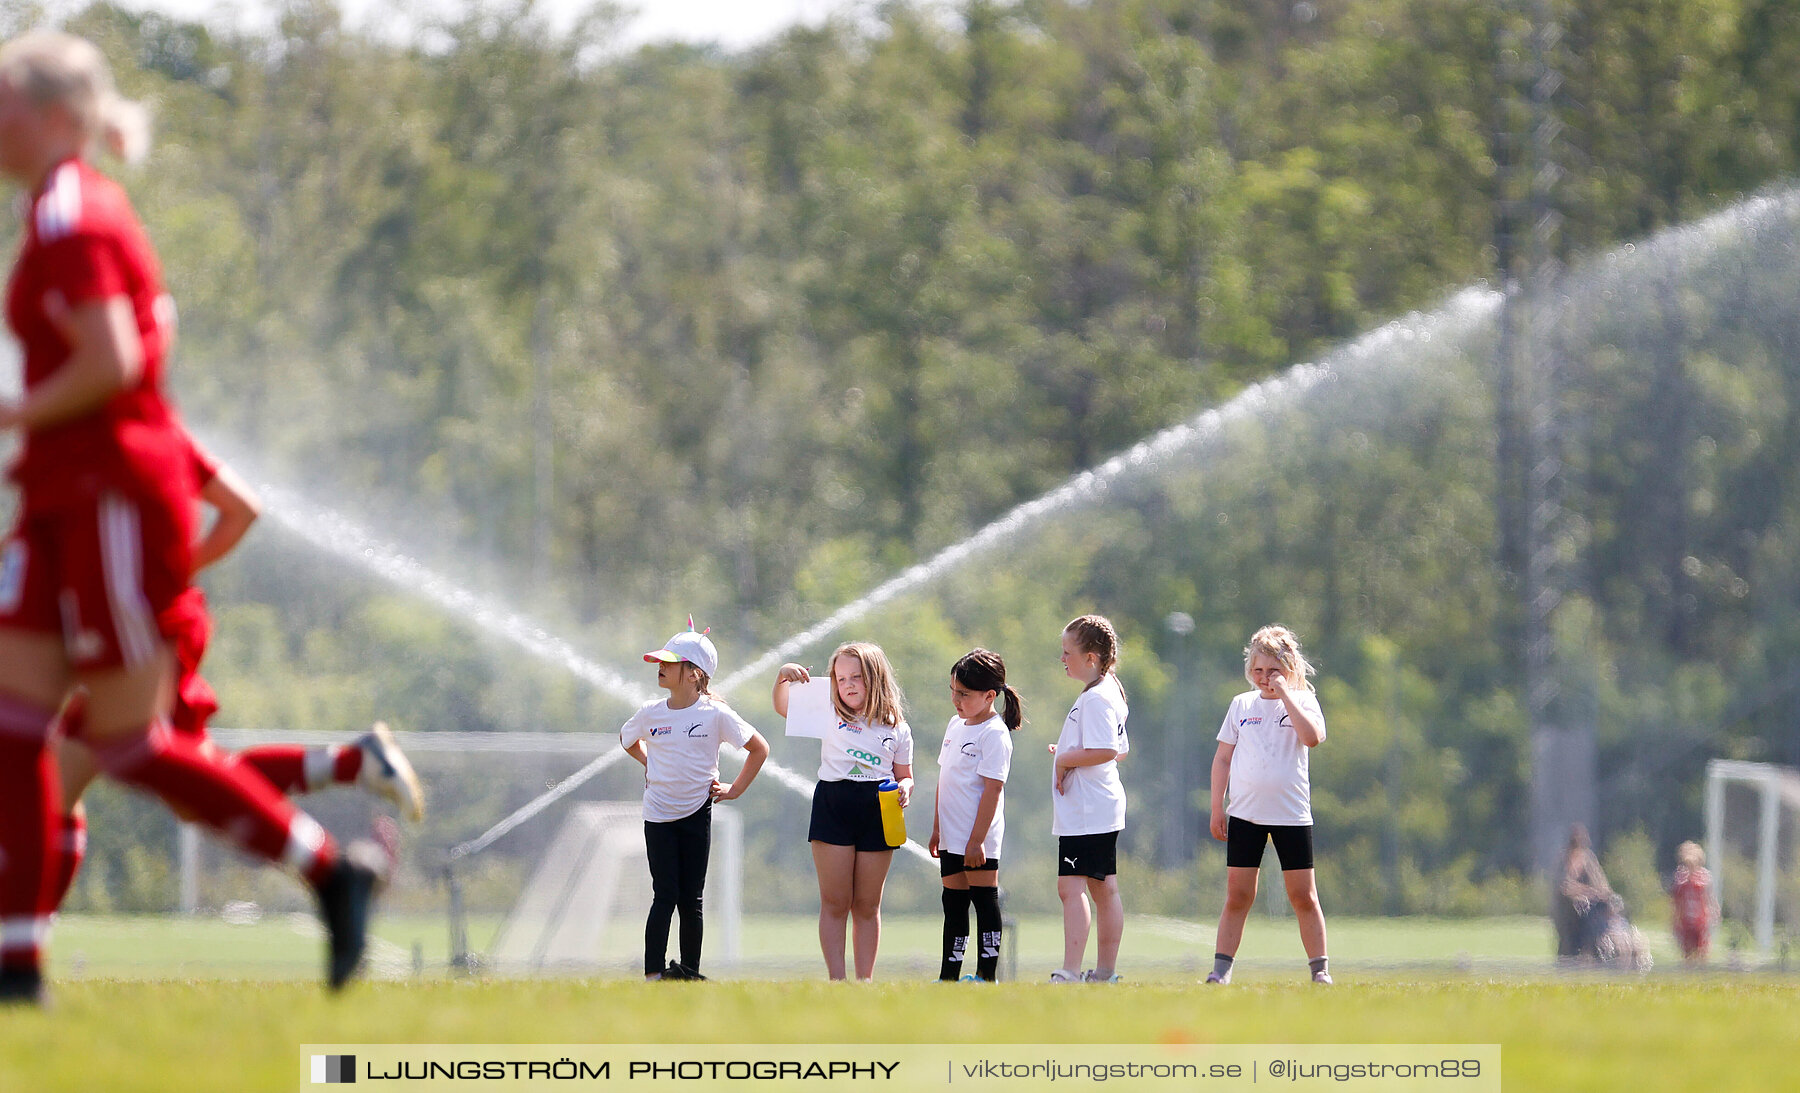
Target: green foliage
x=618, y=335
x=1630, y=865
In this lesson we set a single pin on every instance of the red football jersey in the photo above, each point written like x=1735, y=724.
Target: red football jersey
x=83, y=241
x=1692, y=894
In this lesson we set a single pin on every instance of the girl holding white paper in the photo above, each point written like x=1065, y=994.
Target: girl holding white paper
x=870, y=743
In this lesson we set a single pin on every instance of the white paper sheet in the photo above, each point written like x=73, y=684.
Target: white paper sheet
x=810, y=712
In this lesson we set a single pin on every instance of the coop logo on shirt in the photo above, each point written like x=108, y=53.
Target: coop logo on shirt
x=872, y=760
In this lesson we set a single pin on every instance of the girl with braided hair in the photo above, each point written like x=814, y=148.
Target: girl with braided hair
x=1088, y=801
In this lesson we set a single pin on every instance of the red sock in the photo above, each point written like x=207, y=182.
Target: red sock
x=283, y=765
x=293, y=769
x=30, y=850
x=346, y=763
x=72, y=832
x=222, y=793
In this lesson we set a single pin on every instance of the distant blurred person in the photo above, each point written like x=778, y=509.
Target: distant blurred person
x=102, y=545
x=1583, y=900
x=1694, y=907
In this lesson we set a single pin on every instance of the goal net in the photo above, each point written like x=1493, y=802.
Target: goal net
x=1753, y=851
x=583, y=908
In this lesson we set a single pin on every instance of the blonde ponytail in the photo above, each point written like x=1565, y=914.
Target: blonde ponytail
x=125, y=128
x=52, y=68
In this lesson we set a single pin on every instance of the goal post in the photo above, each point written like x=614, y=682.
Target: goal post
x=1740, y=795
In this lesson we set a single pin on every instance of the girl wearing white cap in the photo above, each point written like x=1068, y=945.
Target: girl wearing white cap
x=677, y=739
x=870, y=744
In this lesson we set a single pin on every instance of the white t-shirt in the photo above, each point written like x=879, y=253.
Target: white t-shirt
x=1269, y=780
x=970, y=754
x=855, y=751
x=1093, y=799
x=683, y=748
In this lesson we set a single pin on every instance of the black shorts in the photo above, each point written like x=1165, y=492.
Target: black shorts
x=1095, y=856
x=847, y=814
x=949, y=865
x=1244, y=843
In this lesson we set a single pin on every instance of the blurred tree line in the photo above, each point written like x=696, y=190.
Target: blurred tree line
x=623, y=334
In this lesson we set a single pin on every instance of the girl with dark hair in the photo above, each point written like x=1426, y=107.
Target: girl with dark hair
x=974, y=762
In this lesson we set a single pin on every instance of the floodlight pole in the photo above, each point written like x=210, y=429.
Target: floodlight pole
x=1530, y=434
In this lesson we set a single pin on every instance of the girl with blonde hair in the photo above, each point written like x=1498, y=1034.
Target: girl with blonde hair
x=102, y=546
x=1261, y=768
x=870, y=743
x=1088, y=802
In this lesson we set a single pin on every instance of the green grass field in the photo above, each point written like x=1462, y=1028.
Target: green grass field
x=145, y=1009
x=282, y=946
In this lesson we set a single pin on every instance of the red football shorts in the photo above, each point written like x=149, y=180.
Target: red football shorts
x=99, y=572
x=188, y=628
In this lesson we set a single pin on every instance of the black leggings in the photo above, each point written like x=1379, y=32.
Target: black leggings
x=677, y=850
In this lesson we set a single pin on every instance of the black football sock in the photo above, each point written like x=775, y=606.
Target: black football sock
x=956, y=932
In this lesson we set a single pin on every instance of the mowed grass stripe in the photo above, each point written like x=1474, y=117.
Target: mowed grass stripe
x=1669, y=1033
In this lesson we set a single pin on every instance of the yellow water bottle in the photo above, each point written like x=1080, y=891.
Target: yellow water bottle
x=893, y=822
